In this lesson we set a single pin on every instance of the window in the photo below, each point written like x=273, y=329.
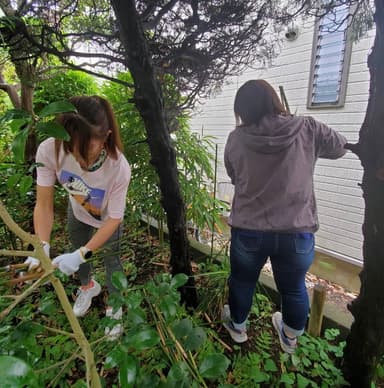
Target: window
x=330, y=60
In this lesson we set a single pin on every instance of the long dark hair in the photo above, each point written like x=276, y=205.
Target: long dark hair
x=94, y=119
x=254, y=100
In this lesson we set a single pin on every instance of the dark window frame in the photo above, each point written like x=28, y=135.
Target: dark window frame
x=344, y=73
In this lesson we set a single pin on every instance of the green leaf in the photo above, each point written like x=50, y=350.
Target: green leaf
x=148, y=381
x=114, y=358
x=128, y=371
x=258, y=376
x=191, y=338
x=18, y=145
x=287, y=378
x=213, y=366
x=13, y=180
x=16, y=373
x=182, y=328
x=179, y=280
x=178, y=376
x=15, y=114
x=306, y=361
x=168, y=307
x=134, y=300
x=302, y=381
x=26, y=183
x=143, y=339
x=331, y=334
x=25, y=330
x=295, y=360
x=5, y=329
x=48, y=306
x=79, y=384
x=53, y=129
x=195, y=339
x=270, y=366
x=16, y=124
x=136, y=316
x=57, y=107
x=119, y=280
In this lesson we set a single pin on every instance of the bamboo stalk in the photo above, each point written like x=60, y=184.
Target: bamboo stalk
x=180, y=352
x=22, y=296
x=58, y=331
x=226, y=346
x=26, y=277
x=8, y=252
x=48, y=368
x=214, y=204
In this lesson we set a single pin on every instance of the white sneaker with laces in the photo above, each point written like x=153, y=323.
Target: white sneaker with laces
x=84, y=298
x=117, y=330
x=289, y=345
x=239, y=336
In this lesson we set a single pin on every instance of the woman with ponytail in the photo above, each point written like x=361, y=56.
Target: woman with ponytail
x=93, y=170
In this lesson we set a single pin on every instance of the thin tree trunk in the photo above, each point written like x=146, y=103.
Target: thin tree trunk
x=149, y=101
x=27, y=104
x=11, y=90
x=365, y=343
x=19, y=49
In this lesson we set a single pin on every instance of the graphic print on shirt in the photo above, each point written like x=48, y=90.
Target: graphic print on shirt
x=88, y=197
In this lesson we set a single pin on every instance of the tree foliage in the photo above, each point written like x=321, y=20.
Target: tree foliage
x=200, y=43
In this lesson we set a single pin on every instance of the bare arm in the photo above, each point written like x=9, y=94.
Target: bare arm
x=43, y=212
x=103, y=234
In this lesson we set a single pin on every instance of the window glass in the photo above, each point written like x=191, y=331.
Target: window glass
x=329, y=65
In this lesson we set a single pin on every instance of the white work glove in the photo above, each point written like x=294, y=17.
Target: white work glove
x=69, y=263
x=32, y=262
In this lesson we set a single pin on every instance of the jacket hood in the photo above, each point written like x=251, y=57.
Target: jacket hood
x=272, y=134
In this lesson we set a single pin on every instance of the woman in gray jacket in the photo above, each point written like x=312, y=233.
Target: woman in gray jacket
x=270, y=157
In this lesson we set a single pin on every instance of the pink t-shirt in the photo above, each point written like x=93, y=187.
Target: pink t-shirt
x=95, y=196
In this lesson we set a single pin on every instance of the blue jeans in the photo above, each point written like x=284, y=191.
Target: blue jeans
x=291, y=255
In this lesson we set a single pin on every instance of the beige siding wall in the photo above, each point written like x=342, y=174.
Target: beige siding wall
x=339, y=198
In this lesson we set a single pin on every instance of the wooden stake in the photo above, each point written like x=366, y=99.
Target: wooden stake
x=317, y=310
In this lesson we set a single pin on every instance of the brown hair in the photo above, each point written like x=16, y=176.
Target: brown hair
x=254, y=100
x=94, y=118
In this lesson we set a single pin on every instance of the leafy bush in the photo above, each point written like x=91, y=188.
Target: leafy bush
x=61, y=85
x=160, y=339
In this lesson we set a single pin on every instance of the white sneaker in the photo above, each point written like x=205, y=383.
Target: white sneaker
x=289, y=345
x=238, y=336
x=84, y=298
x=117, y=330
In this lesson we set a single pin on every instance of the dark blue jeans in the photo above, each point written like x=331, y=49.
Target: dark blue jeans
x=291, y=255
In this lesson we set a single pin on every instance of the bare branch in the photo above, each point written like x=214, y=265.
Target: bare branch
x=166, y=8
x=11, y=90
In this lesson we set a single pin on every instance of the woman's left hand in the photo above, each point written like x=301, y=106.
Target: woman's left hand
x=69, y=263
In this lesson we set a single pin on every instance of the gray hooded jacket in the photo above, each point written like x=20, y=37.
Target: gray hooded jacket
x=271, y=166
